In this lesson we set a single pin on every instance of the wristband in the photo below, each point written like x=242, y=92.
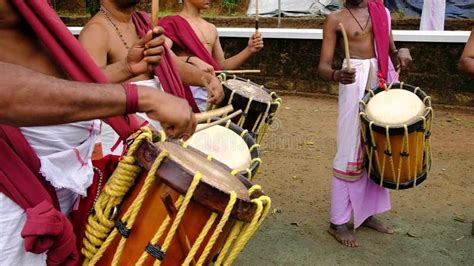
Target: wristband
x=131, y=98
x=187, y=59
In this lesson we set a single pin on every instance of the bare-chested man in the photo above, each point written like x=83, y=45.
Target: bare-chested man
x=466, y=63
x=64, y=151
x=352, y=192
x=111, y=38
x=197, y=42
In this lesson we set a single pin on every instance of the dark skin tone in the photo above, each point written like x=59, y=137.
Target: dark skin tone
x=361, y=42
x=361, y=46
x=466, y=63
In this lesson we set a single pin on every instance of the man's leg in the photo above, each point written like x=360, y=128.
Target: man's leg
x=341, y=212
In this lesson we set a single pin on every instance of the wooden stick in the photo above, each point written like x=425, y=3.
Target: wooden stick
x=220, y=121
x=394, y=78
x=201, y=117
x=155, y=9
x=346, y=45
x=242, y=71
x=256, y=15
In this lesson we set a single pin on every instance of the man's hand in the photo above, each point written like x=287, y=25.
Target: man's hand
x=345, y=75
x=255, y=43
x=146, y=52
x=174, y=114
x=197, y=62
x=402, y=58
x=215, y=91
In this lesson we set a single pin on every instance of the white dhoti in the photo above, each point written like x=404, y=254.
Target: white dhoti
x=65, y=154
x=110, y=140
x=200, y=96
x=353, y=194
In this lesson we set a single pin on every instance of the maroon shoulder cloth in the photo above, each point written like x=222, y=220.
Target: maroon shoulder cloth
x=379, y=19
x=166, y=70
x=182, y=34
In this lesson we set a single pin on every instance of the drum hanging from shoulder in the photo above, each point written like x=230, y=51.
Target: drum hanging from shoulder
x=396, y=129
x=169, y=204
x=231, y=145
x=259, y=105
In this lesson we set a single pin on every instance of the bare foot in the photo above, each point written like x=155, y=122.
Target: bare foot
x=377, y=225
x=342, y=234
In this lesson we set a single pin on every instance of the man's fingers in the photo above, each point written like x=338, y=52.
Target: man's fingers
x=155, y=42
x=156, y=59
x=158, y=30
x=154, y=51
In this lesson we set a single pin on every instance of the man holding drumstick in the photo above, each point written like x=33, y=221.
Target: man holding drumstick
x=372, y=52
x=196, y=42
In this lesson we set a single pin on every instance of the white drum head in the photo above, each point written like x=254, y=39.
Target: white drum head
x=395, y=107
x=223, y=145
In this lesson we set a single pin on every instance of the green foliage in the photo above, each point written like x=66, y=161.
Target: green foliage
x=92, y=6
x=230, y=5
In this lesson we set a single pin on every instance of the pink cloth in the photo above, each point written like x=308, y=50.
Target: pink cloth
x=362, y=199
x=183, y=35
x=166, y=70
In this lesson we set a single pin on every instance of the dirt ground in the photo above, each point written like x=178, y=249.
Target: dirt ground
x=432, y=221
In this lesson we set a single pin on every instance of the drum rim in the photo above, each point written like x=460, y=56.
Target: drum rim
x=416, y=125
x=405, y=185
x=179, y=178
x=242, y=101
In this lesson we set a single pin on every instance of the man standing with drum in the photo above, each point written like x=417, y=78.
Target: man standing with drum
x=372, y=52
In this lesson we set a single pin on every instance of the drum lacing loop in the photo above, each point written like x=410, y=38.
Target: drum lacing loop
x=245, y=131
x=132, y=212
x=401, y=85
x=99, y=224
x=259, y=124
x=372, y=149
x=183, y=204
x=263, y=204
x=416, y=90
x=255, y=146
x=155, y=251
x=209, y=157
x=122, y=228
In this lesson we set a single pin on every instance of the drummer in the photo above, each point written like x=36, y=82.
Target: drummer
x=112, y=38
x=196, y=42
x=371, y=48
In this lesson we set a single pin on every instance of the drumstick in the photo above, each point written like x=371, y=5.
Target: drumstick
x=220, y=121
x=346, y=45
x=155, y=9
x=394, y=78
x=256, y=15
x=243, y=71
x=201, y=117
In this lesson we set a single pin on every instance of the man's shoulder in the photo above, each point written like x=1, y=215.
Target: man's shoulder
x=335, y=15
x=96, y=23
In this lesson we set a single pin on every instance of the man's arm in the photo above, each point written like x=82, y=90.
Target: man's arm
x=466, y=63
x=325, y=70
x=255, y=44
x=34, y=99
x=146, y=51
x=191, y=75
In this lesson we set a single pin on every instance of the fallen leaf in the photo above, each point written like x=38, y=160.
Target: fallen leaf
x=460, y=218
x=457, y=239
x=309, y=143
x=287, y=108
x=295, y=224
x=276, y=211
x=413, y=234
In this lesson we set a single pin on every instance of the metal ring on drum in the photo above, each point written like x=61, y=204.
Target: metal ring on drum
x=396, y=129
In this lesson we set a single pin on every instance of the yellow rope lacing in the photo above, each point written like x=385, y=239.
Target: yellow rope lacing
x=101, y=223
